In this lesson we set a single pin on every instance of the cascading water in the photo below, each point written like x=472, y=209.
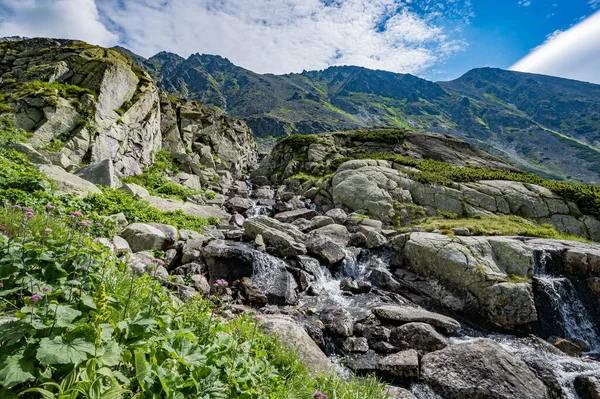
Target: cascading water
x=561, y=310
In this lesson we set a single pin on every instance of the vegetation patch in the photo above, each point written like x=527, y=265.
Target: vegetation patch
x=64, y=89
x=298, y=141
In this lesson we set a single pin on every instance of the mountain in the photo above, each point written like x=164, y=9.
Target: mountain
x=545, y=125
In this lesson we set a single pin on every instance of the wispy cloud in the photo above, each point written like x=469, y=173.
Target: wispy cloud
x=569, y=54
x=71, y=19
x=595, y=4
x=281, y=36
x=524, y=3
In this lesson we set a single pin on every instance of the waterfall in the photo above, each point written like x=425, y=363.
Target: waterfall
x=269, y=273
x=561, y=311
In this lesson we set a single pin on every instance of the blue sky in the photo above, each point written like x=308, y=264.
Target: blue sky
x=434, y=39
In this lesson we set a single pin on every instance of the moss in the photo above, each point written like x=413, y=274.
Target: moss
x=297, y=141
x=64, y=89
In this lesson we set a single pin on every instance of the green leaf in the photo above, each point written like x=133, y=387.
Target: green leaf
x=141, y=369
x=42, y=392
x=56, y=352
x=110, y=354
x=16, y=369
x=65, y=315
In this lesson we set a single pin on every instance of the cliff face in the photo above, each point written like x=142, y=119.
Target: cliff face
x=90, y=104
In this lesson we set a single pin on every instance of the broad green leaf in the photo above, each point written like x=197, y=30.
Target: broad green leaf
x=65, y=315
x=16, y=369
x=42, y=392
x=110, y=354
x=141, y=369
x=57, y=352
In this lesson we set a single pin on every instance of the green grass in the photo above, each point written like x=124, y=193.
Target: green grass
x=297, y=141
x=64, y=89
x=500, y=225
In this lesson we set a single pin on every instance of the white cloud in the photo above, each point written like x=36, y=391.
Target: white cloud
x=70, y=19
x=524, y=3
x=573, y=54
x=594, y=4
x=280, y=36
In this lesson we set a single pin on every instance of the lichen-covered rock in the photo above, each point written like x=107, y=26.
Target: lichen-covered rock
x=479, y=370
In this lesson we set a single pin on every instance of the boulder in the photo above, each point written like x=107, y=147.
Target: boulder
x=283, y=239
x=479, y=369
x=316, y=223
x=200, y=283
x=144, y=262
x=418, y=336
x=338, y=215
x=355, y=286
x=375, y=240
x=325, y=249
x=588, y=386
x=190, y=269
x=403, y=366
x=121, y=246
x=358, y=240
x=101, y=174
x=376, y=334
x=569, y=347
x=192, y=250
x=407, y=314
x=250, y=293
x=296, y=339
x=31, y=153
x=290, y=216
x=239, y=204
x=334, y=232
x=135, y=190
x=398, y=393
x=68, y=183
x=188, y=208
x=144, y=237
x=338, y=321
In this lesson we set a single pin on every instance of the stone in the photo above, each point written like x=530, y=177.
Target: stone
x=461, y=231
x=335, y=232
x=587, y=386
x=144, y=262
x=260, y=181
x=188, y=208
x=467, y=371
x=402, y=365
x=172, y=258
x=283, y=239
x=135, y=190
x=315, y=289
x=239, y=204
x=290, y=216
x=250, y=293
x=337, y=321
x=192, y=250
x=316, y=223
x=398, y=393
x=375, y=240
x=68, y=183
x=376, y=334
x=144, y=237
x=358, y=240
x=186, y=293
x=383, y=347
x=418, y=336
x=237, y=220
x=568, y=346
x=296, y=339
x=338, y=215
x=325, y=249
x=121, y=246
x=200, y=283
x=355, y=286
x=101, y=174
x=406, y=314
x=356, y=345
x=31, y=153
x=190, y=269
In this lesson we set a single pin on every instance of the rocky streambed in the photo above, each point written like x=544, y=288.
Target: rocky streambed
x=435, y=316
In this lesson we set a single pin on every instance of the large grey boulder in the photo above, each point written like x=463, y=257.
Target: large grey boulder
x=135, y=190
x=406, y=314
x=325, y=249
x=479, y=370
x=419, y=336
x=239, y=204
x=290, y=216
x=31, y=153
x=296, y=339
x=188, y=208
x=402, y=365
x=283, y=239
x=148, y=237
x=101, y=174
x=491, y=274
x=338, y=321
x=68, y=183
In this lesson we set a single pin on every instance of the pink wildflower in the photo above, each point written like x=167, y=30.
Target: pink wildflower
x=319, y=395
x=35, y=298
x=29, y=215
x=256, y=318
x=84, y=268
x=50, y=208
x=48, y=230
x=99, y=224
x=45, y=289
x=159, y=262
x=1, y=285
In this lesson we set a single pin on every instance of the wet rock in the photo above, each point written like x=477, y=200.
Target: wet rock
x=250, y=293
x=358, y=240
x=398, y=393
x=316, y=329
x=568, y=346
x=464, y=371
x=239, y=204
x=200, y=283
x=290, y=216
x=419, y=336
x=355, y=286
x=383, y=347
x=588, y=387
x=338, y=321
x=325, y=249
x=405, y=314
x=295, y=338
x=142, y=236
x=315, y=289
x=354, y=344
x=403, y=366
x=376, y=334
x=338, y=215
x=283, y=239
x=228, y=261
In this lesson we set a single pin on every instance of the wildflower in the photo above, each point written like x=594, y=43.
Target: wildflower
x=17, y=207
x=35, y=298
x=48, y=230
x=50, y=208
x=319, y=395
x=256, y=318
x=45, y=289
x=29, y=214
x=99, y=224
x=1, y=285
x=238, y=331
x=84, y=268
x=26, y=209
x=75, y=215
x=221, y=283
x=85, y=223
x=159, y=262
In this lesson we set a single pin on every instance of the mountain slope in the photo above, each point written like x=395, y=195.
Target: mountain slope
x=546, y=125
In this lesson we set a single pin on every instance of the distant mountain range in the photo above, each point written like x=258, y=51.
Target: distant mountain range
x=546, y=125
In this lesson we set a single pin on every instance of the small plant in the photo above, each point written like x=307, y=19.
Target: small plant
x=210, y=195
